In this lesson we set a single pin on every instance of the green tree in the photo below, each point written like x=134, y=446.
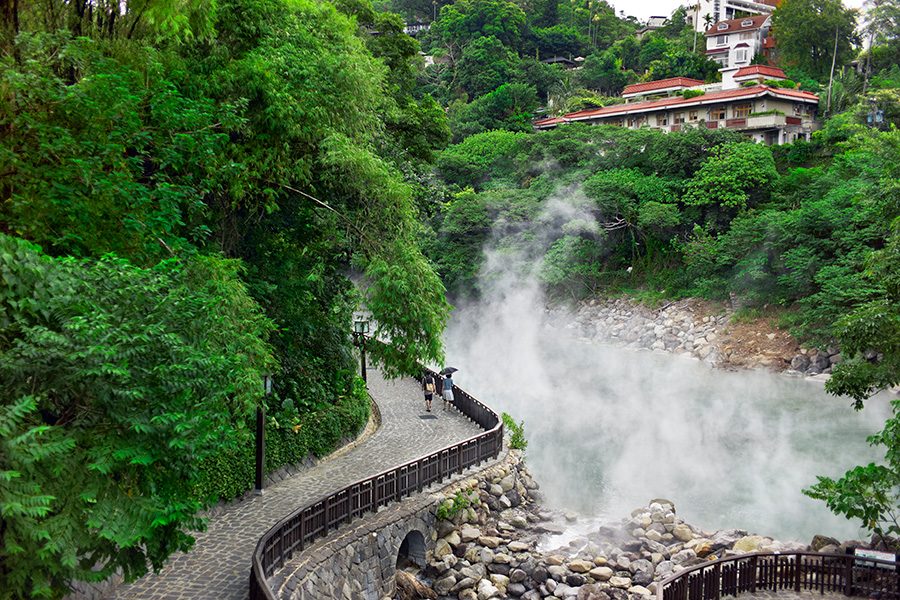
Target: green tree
x=508, y=107
x=806, y=34
x=735, y=175
x=117, y=381
x=486, y=64
x=466, y=21
x=603, y=72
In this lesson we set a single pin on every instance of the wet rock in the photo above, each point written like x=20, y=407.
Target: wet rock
x=820, y=541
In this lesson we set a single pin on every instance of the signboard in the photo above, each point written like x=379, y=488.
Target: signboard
x=861, y=553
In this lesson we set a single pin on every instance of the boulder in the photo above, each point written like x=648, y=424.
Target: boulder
x=580, y=566
x=517, y=546
x=441, y=549
x=601, y=573
x=443, y=585
x=620, y=582
x=487, y=590
x=820, y=541
x=682, y=532
x=749, y=543
x=639, y=590
x=489, y=541
x=469, y=534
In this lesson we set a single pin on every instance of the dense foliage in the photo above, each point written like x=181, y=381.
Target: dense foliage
x=203, y=179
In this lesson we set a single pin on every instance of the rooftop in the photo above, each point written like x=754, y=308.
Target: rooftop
x=737, y=25
x=660, y=84
x=710, y=98
x=760, y=70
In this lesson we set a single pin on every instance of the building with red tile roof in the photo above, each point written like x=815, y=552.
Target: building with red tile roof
x=660, y=86
x=767, y=114
x=734, y=43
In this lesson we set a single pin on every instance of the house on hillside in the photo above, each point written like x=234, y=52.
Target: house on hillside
x=705, y=12
x=733, y=44
x=653, y=23
x=765, y=113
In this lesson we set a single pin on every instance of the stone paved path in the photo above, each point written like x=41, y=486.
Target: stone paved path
x=219, y=565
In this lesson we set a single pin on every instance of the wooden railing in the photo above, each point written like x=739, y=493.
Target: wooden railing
x=796, y=571
x=315, y=520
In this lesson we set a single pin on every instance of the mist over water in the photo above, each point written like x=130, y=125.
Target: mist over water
x=610, y=428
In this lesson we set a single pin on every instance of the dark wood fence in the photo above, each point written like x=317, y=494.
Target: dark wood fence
x=796, y=571
x=315, y=520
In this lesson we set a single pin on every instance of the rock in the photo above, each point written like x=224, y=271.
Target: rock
x=591, y=592
x=453, y=538
x=557, y=572
x=749, y=543
x=664, y=568
x=443, y=585
x=683, y=532
x=653, y=535
x=515, y=589
x=508, y=482
x=640, y=590
x=683, y=556
x=642, y=571
x=517, y=576
x=486, y=590
x=441, y=549
x=601, y=573
x=726, y=538
x=469, y=534
x=620, y=582
x=580, y=566
x=502, y=559
x=468, y=594
x=409, y=588
x=830, y=549
x=489, y=541
x=703, y=549
x=517, y=546
x=820, y=541
x=501, y=581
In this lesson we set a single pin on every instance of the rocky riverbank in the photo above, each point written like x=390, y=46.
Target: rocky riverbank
x=702, y=330
x=493, y=543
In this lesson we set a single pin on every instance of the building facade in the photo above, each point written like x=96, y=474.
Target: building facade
x=765, y=113
x=706, y=12
x=733, y=44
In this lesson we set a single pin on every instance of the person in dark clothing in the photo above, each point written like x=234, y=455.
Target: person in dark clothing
x=428, y=387
x=448, y=390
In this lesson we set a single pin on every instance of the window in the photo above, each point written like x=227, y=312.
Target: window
x=721, y=40
x=662, y=120
x=692, y=115
x=717, y=114
x=741, y=110
x=722, y=26
x=740, y=56
x=747, y=35
x=747, y=23
x=679, y=118
x=798, y=109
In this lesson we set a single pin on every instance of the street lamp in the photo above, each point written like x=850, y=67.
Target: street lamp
x=261, y=434
x=360, y=329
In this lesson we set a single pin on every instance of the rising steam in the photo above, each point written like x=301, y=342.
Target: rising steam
x=611, y=428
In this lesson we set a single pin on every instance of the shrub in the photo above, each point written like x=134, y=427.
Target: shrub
x=517, y=439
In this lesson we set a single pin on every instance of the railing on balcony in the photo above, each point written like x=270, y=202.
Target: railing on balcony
x=842, y=573
x=316, y=519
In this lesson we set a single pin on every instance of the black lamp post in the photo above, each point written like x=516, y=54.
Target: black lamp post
x=360, y=329
x=261, y=434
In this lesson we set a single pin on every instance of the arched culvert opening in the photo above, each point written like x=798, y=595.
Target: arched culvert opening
x=412, y=550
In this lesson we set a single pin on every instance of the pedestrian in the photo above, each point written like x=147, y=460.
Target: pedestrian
x=428, y=387
x=448, y=390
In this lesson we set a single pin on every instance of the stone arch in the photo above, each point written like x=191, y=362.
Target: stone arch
x=412, y=549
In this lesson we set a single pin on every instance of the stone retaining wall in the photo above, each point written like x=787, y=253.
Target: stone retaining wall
x=360, y=559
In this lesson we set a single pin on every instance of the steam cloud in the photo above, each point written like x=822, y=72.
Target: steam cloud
x=611, y=428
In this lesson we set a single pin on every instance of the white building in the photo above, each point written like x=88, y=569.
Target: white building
x=706, y=12
x=733, y=44
x=763, y=111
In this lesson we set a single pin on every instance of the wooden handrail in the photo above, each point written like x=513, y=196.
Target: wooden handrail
x=848, y=574
x=313, y=521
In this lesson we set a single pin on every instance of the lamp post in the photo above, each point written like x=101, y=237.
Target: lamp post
x=261, y=434
x=360, y=329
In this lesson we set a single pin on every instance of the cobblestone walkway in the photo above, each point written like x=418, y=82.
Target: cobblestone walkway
x=219, y=565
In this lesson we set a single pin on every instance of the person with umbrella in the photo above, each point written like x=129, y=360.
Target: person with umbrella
x=448, y=385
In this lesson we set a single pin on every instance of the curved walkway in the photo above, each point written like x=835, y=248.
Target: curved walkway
x=218, y=567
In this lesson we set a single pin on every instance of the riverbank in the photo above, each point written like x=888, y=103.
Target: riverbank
x=706, y=331
x=497, y=541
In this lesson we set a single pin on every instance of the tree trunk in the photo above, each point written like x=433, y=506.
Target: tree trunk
x=9, y=21
x=409, y=588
